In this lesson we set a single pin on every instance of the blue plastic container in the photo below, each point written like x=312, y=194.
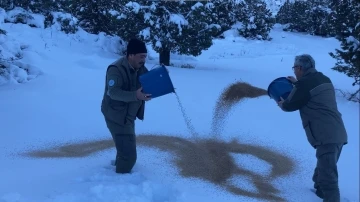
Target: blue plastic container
x=280, y=87
x=157, y=82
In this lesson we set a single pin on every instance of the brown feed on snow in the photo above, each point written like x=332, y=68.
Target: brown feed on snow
x=206, y=159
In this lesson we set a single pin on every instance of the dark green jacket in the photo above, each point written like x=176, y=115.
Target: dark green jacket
x=314, y=96
x=119, y=103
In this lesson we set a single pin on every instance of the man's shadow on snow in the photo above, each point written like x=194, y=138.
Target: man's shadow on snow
x=206, y=159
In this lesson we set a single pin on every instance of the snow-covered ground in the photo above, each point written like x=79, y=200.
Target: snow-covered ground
x=61, y=104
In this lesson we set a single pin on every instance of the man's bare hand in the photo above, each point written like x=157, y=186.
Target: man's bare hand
x=292, y=79
x=142, y=96
x=280, y=103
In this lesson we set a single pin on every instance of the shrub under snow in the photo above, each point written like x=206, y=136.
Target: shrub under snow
x=20, y=15
x=64, y=22
x=12, y=69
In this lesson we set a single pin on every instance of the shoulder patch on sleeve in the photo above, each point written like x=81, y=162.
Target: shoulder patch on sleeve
x=111, y=82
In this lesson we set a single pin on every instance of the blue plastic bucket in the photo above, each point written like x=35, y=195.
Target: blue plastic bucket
x=157, y=82
x=280, y=87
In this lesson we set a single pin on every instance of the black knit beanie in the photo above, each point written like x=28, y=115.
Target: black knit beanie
x=136, y=46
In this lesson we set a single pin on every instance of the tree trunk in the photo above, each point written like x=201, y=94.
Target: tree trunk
x=164, y=57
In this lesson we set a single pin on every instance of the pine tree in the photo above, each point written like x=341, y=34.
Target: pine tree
x=197, y=35
x=178, y=27
x=6, y=4
x=300, y=16
x=130, y=23
x=165, y=23
x=11, y=4
x=348, y=33
x=342, y=17
x=221, y=14
x=312, y=16
x=34, y=6
x=96, y=16
x=257, y=21
x=319, y=18
x=284, y=16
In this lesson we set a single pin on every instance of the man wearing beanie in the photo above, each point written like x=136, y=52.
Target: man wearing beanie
x=314, y=96
x=123, y=102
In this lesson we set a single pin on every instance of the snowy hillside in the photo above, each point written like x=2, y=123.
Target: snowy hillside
x=55, y=146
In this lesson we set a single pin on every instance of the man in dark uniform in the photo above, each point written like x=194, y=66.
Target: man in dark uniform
x=314, y=96
x=123, y=102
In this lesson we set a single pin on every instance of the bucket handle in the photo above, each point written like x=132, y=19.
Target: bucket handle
x=156, y=65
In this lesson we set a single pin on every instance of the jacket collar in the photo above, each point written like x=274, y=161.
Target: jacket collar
x=309, y=71
x=125, y=63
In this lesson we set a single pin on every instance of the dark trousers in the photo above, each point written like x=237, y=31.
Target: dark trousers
x=326, y=173
x=125, y=143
